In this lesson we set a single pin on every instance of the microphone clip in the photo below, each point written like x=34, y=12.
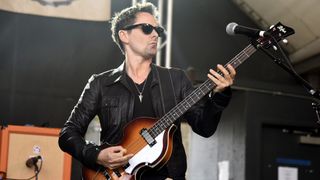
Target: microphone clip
x=32, y=161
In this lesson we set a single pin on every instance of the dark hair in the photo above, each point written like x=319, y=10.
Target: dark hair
x=127, y=17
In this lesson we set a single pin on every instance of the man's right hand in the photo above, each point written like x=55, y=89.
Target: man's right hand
x=113, y=157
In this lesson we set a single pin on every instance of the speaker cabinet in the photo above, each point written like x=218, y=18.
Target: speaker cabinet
x=19, y=143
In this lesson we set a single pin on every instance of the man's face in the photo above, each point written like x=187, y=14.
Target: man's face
x=140, y=43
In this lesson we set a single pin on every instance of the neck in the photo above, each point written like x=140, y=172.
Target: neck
x=138, y=69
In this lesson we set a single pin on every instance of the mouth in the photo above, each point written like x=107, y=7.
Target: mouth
x=153, y=44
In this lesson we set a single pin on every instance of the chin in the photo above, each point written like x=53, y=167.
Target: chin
x=150, y=55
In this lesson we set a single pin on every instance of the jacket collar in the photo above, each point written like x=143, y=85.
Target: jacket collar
x=119, y=75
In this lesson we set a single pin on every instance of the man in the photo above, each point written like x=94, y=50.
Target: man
x=136, y=89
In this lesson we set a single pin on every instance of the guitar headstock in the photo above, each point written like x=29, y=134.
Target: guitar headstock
x=278, y=32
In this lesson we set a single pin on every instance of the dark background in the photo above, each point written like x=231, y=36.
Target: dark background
x=45, y=63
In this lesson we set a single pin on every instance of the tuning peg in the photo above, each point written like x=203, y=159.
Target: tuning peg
x=285, y=41
x=274, y=47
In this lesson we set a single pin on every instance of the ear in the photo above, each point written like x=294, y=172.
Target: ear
x=123, y=36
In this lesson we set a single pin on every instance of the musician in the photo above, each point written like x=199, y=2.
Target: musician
x=140, y=88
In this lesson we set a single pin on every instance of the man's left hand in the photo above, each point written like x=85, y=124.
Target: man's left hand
x=222, y=81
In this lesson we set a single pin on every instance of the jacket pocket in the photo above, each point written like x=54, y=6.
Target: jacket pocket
x=112, y=110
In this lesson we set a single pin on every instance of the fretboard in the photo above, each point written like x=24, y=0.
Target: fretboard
x=169, y=118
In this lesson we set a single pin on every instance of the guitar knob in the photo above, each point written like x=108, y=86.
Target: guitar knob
x=285, y=41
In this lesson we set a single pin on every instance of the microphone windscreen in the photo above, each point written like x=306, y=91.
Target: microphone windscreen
x=230, y=28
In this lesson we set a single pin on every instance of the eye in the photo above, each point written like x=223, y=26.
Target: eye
x=147, y=29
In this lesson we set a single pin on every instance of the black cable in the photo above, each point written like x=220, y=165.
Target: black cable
x=34, y=176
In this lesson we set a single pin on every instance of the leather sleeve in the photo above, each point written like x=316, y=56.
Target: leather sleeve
x=71, y=138
x=205, y=115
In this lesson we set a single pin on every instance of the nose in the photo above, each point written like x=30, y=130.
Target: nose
x=155, y=33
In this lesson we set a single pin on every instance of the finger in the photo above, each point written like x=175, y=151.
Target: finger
x=114, y=165
x=113, y=153
x=221, y=84
x=215, y=80
x=217, y=76
x=117, y=151
x=118, y=164
x=225, y=72
x=222, y=69
x=231, y=70
x=116, y=148
x=128, y=156
x=120, y=161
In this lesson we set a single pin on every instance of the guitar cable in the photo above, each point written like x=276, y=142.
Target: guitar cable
x=37, y=171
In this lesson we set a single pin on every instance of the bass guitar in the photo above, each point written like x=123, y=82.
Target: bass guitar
x=150, y=140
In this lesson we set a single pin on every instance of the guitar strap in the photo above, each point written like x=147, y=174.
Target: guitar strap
x=167, y=92
x=169, y=98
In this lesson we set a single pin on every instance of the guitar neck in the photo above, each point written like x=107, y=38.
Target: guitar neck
x=169, y=118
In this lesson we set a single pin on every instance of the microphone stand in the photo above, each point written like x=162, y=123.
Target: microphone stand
x=312, y=91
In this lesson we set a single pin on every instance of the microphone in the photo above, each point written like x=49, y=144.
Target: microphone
x=233, y=29
x=32, y=161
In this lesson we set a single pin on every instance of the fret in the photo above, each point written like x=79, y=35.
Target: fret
x=167, y=123
x=184, y=107
x=237, y=60
x=246, y=54
x=170, y=116
x=207, y=86
x=187, y=104
x=193, y=101
x=201, y=90
x=196, y=94
x=179, y=110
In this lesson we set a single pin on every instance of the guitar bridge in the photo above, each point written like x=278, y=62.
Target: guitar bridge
x=147, y=137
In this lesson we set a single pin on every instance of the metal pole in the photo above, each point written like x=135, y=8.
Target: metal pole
x=134, y=2
x=160, y=10
x=169, y=33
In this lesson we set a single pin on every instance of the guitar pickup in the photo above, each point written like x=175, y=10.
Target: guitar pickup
x=147, y=137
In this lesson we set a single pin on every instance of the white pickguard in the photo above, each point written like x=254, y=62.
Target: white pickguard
x=146, y=155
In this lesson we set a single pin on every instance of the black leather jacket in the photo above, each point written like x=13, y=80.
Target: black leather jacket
x=108, y=95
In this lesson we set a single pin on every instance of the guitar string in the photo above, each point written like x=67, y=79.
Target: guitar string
x=140, y=142
x=185, y=104
x=200, y=88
